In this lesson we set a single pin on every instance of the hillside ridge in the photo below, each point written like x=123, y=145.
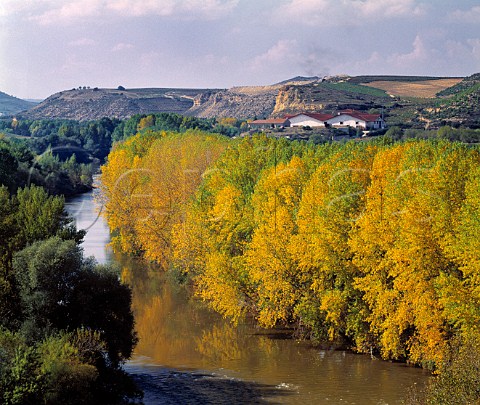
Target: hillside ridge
x=419, y=101
x=11, y=105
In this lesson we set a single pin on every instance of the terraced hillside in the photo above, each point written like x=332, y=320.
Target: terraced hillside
x=459, y=105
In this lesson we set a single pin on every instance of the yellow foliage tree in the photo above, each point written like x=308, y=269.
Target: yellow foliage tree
x=371, y=244
x=399, y=246
x=222, y=216
x=271, y=268
x=333, y=200
x=148, y=180
x=460, y=289
x=146, y=122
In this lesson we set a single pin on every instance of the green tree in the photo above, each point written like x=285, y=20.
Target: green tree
x=39, y=215
x=60, y=290
x=394, y=133
x=63, y=368
x=8, y=166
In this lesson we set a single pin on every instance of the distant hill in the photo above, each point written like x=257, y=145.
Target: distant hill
x=10, y=105
x=299, y=80
x=459, y=105
x=408, y=101
x=90, y=104
x=466, y=85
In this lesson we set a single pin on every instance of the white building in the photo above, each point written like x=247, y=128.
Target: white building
x=356, y=119
x=309, y=119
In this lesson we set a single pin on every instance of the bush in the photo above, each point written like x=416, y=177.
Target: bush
x=458, y=382
x=60, y=369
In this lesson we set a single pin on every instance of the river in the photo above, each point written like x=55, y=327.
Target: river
x=189, y=355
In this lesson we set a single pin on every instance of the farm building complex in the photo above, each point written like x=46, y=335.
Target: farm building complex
x=343, y=119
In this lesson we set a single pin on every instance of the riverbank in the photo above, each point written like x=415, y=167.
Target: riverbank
x=188, y=354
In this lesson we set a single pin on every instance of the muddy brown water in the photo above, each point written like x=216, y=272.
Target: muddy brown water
x=189, y=355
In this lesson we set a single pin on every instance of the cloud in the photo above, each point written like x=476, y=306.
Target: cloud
x=316, y=61
x=429, y=55
x=474, y=43
x=122, y=47
x=309, y=12
x=74, y=64
x=341, y=12
x=11, y=7
x=467, y=51
x=283, y=50
x=82, y=42
x=189, y=9
x=387, y=8
x=64, y=12
x=471, y=16
x=48, y=12
x=291, y=57
x=419, y=54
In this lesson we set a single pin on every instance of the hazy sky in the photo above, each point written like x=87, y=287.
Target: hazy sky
x=52, y=45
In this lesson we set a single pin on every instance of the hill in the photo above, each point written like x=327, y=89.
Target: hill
x=422, y=88
x=458, y=105
x=10, y=105
x=408, y=101
x=300, y=80
x=89, y=104
x=239, y=102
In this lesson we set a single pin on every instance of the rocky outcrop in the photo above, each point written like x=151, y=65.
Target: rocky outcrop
x=291, y=99
x=250, y=102
x=239, y=102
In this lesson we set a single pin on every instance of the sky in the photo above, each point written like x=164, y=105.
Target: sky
x=48, y=46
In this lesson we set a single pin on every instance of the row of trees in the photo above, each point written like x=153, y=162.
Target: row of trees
x=372, y=244
x=65, y=323
x=148, y=181
x=465, y=135
x=178, y=123
x=20, y=166
x=93, y=139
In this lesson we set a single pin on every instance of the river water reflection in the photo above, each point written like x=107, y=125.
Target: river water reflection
x=187, y=354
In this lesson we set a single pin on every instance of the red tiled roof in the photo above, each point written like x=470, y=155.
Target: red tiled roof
x=317, y=116
x=361, y=115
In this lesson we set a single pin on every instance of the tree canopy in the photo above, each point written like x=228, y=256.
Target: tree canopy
x=364, y=244
x=66, y=324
